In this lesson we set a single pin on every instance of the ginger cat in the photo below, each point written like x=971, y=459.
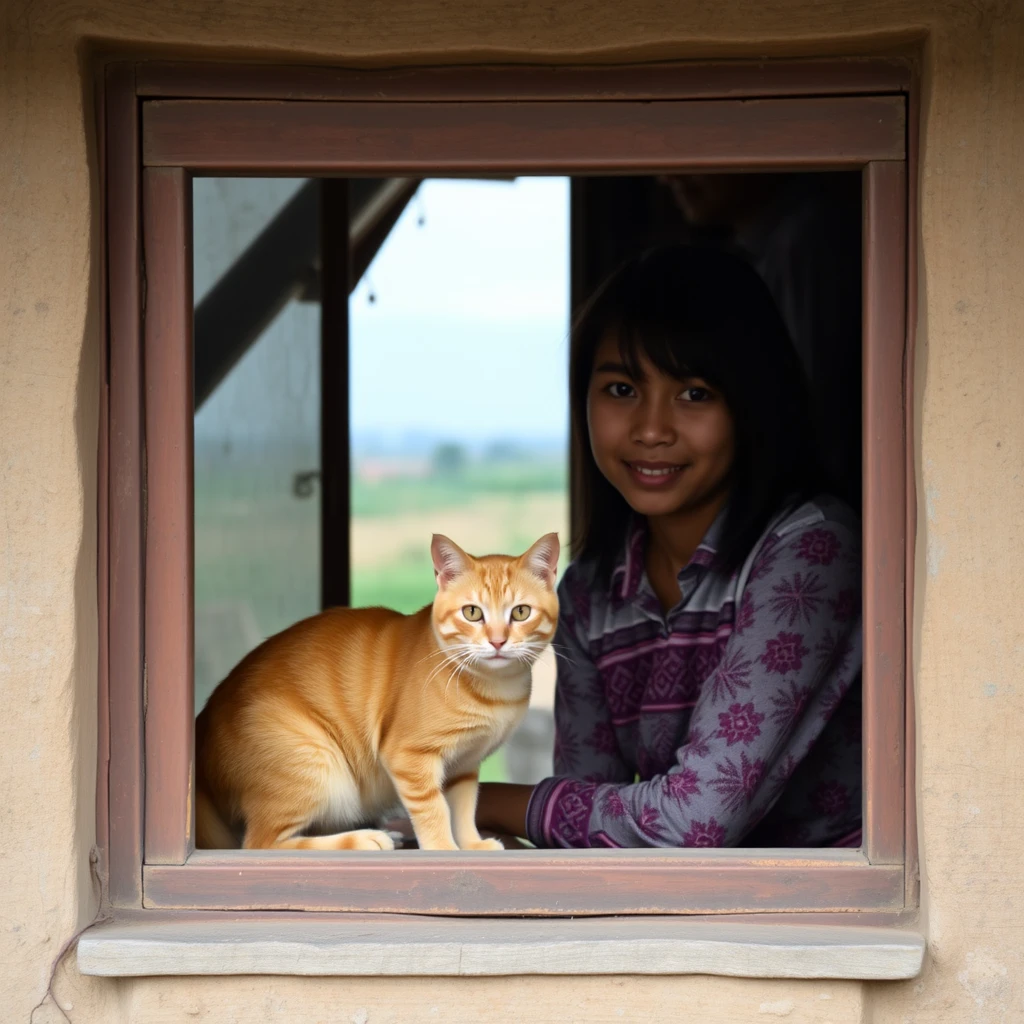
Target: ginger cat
x=332, y=721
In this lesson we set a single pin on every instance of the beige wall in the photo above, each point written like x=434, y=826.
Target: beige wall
x=970, y=445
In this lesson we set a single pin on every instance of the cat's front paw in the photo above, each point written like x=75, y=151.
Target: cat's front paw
x=484, y=844
x=368, y=839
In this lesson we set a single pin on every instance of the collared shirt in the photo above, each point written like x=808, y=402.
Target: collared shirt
x=731, y=720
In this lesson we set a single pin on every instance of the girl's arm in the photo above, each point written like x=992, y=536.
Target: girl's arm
x=794, y=652
x=501, y=808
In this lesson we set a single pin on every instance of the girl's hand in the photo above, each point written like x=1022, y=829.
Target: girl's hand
x=501, y=807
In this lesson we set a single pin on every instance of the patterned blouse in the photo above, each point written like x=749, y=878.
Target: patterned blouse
x=732, y=720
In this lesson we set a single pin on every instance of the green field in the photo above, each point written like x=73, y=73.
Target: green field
x=399, y=495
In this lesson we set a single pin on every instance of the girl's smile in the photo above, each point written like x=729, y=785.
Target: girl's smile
x=654, y=474
x=666, y=445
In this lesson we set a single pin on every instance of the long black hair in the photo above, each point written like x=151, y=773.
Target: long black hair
x=702, y=312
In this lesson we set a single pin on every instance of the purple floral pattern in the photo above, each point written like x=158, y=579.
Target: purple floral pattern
x=649, y=822
x=737, y=782
x=819, y=547
x=612, y=805
x=834, y=651
x=784, y=653
x=731, y=720
x=740, y=724
x=797, y=598
x=764, y=563
x=745, y=616
x=682, y=784
x=731, y=676
x=789, y=703
x=603, y=738
x=697, y=745
x=705, y=833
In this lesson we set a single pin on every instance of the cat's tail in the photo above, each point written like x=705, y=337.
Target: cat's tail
x=211, y=831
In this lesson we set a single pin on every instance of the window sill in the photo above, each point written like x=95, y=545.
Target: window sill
x=392, y=945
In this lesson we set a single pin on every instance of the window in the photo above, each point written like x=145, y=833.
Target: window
x=166, y=125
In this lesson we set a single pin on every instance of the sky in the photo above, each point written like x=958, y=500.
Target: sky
x=466, y=336
x=468, y=329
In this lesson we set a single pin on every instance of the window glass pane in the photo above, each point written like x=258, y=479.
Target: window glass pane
x=459, y=400
x=257, y=530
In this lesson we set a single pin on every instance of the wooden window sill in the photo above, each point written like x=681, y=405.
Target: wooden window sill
x=394, y=945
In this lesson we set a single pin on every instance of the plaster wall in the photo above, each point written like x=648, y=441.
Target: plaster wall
x=969, y=629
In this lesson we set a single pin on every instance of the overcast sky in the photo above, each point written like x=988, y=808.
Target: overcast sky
x=466, y=337
x=468, y=330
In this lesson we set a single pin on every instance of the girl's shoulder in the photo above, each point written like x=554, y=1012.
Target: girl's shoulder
x=819, y=531
x=822, y=532
x=822, y=512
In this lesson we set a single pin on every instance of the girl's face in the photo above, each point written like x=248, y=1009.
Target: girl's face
x=665, y=445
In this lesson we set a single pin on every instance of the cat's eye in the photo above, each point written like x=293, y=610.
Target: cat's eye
x=521, y=612
x=472, y=612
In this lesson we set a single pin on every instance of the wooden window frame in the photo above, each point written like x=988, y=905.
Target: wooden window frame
x=160, y=122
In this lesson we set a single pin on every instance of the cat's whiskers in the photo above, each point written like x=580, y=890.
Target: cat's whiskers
x=448, y=681
x=433, y=654
x=457, y=673
x=449, y=658
x=456, y=654
x=438, y=668
x=535, y=648
x=563, y=657
x=446, y=653
x=452, y=656
x=538, y=646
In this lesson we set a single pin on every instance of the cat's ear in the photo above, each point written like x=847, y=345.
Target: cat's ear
x=542, y=558
x=449, y=560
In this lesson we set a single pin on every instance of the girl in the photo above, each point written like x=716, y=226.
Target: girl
x=708, y=686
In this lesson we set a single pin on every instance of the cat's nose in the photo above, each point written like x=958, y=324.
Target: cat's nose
x=497, y=644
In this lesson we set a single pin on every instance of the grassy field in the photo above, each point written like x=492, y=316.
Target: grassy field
x=257, y=545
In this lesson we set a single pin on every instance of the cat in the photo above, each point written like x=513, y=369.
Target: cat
x=331, y=722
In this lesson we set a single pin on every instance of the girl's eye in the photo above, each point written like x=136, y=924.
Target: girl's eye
x=521, y=612
x=472, y=612
x=695, y=394
x=620, y=390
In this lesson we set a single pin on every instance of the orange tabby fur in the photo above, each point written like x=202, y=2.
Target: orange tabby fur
x=329, y=723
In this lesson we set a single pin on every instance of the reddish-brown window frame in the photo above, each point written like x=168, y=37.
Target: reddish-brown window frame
x=162, y=121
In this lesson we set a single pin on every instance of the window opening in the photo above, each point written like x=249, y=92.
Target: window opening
x=460, y=295
x=459, y=401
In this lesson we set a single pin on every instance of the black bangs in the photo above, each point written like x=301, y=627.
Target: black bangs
x=692, y=311
x=680, y=357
